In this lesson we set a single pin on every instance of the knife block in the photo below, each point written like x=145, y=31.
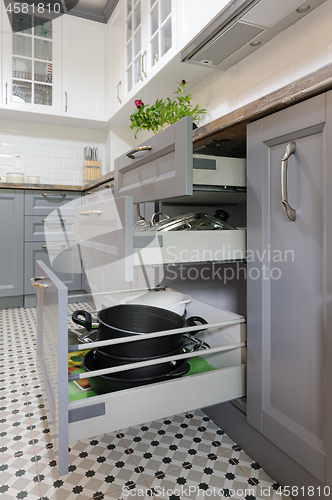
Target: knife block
x=91, y=171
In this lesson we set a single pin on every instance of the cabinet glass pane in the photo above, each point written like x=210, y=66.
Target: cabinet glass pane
x=137, y=16
x=22, y=68
x=43, y=50
x=154, y=20
x=42, y=27
x=22, y=45
x=129, y=7
x=130, y=78
x=129, y=28
x=155, y=50
x=166, y=37
x=129, y=53
x=21, y=91
x=166, y=9
x=43, y=94
x=22, y=23
x=43, y=72
x=137, y=43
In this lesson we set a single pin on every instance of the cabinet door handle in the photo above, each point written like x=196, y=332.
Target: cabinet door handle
x=91, y=212
x=55, y=221
x=34, y=282
x=118, y=92
x=144, y=72
x=50, y=195
x=6, y=93
x=139, y=62
x=66, y=106
x=53, y=246
x=131, y=153
x=290, y=150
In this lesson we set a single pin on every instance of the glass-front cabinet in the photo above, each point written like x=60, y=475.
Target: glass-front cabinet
x=150, y=40
x=31, y=62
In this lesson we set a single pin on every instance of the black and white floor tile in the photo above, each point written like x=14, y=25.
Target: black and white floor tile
x=182, y=456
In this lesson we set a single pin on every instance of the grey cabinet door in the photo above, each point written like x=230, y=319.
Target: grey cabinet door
x=64, y=263
x=12, y=242
x=288, y=326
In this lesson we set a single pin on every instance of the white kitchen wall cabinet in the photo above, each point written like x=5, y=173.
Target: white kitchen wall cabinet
x=115, y=61
x=83, y=68
x=193, y=17
x=31, y=63
x=290, y=282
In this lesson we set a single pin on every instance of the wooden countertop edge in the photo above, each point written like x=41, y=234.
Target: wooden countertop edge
x=299, y=90
x=59, y=187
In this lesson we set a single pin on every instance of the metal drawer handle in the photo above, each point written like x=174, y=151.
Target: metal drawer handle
x=131, y=153
x=91, y=212
x=53, y=246
x=6, y=93
x=290, y=150
x=34, y=282
x=54, y=195
x=66, y=106
x=62, y=221
x=108, y=186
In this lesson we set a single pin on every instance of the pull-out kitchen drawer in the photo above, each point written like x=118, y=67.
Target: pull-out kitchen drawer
x=105, y=235
x=40, y=228
x=62, y=256
x=164, y=168
x=41, y=202
x=225, y=379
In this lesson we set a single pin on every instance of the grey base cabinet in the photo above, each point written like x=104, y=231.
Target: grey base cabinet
x=289, y=389
x=11, y=243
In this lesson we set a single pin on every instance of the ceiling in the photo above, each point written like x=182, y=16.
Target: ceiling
x=97, y=10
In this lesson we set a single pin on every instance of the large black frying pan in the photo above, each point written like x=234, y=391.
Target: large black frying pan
x=125, y=380
x=132, y=319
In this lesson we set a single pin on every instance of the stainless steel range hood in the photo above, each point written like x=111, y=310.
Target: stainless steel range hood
x=242, y=27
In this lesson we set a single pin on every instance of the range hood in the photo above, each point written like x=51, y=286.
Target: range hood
x=242, y=27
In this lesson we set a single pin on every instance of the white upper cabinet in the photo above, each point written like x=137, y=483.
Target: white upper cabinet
x=115, y=62
x=31, y=57
x=194, y=16
x=83, y=68
x=141, y=40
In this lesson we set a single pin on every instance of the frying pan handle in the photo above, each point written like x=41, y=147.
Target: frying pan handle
x=87, y=322
x=192, y=322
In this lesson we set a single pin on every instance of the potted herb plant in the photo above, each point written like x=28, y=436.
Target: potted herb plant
x=164, y=112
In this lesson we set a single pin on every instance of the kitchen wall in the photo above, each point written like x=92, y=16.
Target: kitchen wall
x=301, y=49
x=54, y=153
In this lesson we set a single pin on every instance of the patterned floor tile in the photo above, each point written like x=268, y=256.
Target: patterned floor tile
x=15, y=435
x=95, y=466
x=18, y=478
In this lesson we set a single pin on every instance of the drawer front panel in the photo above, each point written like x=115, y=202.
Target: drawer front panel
x=37, y=227
x=165, y=170
x=43, y=203
x=66, y=264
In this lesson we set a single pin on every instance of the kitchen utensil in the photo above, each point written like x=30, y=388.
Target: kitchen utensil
x=104, y=360
x=133, y=319
x=15, y=177
x=33, y=179
x=166, y=299
x=191, y=222
x=121, y=381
